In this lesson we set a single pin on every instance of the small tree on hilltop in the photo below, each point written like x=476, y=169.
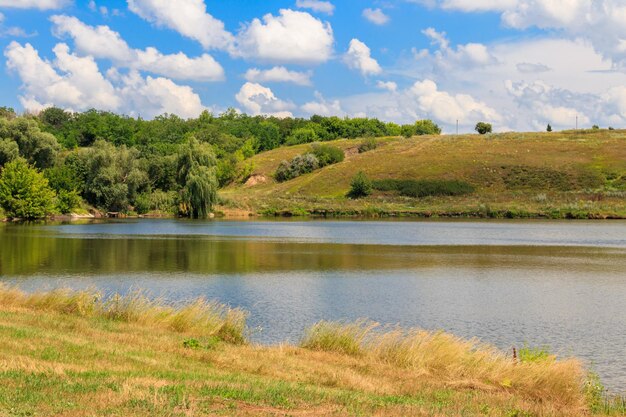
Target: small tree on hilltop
x=549, y=128
x=483, y=128
x=360, y=186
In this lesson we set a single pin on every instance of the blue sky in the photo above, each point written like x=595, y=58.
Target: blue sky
x=519, y=64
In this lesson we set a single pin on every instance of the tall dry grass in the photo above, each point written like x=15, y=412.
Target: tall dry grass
x=455, y=361
x=201, y=317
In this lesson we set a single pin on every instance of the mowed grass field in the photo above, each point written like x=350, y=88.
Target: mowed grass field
x=558, y=174
x=71, y=354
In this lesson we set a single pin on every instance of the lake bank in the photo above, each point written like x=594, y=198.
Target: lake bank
x=73, y=358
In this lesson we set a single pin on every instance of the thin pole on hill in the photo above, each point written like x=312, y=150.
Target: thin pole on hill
x=457, y=126
x=576, y=122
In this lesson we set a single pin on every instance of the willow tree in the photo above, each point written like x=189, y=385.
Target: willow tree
x=196, y=175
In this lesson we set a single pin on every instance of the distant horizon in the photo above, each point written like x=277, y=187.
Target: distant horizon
x=517, y=64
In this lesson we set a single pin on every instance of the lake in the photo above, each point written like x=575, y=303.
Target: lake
x=541, y=283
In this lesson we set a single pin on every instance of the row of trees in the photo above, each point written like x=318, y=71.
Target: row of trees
x=118, y=163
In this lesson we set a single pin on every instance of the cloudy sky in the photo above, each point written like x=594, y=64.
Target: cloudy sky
x=519, y=64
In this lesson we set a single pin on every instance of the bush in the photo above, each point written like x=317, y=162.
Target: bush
x=24, y=191
x=424, y=188
x=299, y=165
x=368, y=144
x=327, y=154
x=421, y=127
x=483, y=128
x=302, y=135
x=360, y=186
x=67, y=200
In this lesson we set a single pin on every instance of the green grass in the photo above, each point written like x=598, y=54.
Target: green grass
x=56, y=360
x=577, y=174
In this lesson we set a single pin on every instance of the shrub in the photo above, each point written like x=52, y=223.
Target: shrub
x=67, y=201
x=368, y=144
x=24, y=191
x=483, y=128
x=549, y=128
x=327, y=154
x=424, y=188
x=299, y=165
x=360, y=186
x=302, y=135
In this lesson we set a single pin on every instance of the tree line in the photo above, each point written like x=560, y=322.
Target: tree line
x=119, y=163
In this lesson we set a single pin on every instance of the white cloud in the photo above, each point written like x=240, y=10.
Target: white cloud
x=35, y=4
x=322, y=107
x=292, y=37
x=154, y=96
x=260, y=100
x=1, y=18
x=188, y=17
x=279, y=75
x=387, y=85
x=359, y=58
x=528, y=68
x=465, y=56
x=448, y=108
x=76, y=83
x=602, y=22
x=376, y=16
x=102, y=42
x=318, y=6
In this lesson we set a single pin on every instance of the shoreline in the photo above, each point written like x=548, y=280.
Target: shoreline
x=135, y=356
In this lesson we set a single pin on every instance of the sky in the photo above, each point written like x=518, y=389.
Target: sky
x=518, y=64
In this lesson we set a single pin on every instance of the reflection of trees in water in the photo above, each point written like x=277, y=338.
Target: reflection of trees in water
x=28, y=251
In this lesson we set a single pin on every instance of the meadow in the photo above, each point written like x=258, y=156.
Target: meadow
x=569, y=174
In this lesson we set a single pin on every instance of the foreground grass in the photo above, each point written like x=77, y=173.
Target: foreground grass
x=57, y=359
x=575, y=174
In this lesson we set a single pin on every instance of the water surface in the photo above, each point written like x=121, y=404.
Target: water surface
x=558, y=284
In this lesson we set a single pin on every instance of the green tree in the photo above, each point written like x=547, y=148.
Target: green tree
x=24, y=191
x=426, y=127
x=8, y=151
x=112, y=176
x=483, y=128
x=37, y=147
x=360, y=186
x=549, y=128
x=197, y=178
x=302, y=135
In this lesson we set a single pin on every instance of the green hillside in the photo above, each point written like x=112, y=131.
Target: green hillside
x=573, y=174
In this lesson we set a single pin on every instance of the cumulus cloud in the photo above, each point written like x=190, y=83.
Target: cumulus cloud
x=292, y=37
x=278, y=75
x=465, y=56
x=76, y=83
x=387, y=85
x=323, y=107
x=35, y=4
x=187, y=17
x=359, y=58
x=376, y=16
x=102, y=42
x=260, y=100
x=318, y=6
x=603, y=22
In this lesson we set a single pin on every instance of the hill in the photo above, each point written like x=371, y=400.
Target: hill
x=570, y=174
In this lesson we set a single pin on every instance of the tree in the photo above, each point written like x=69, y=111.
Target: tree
x=24, y=192
x=360, y=186
x=483, y=128
x=8, y=151
x=37, y=147
x=549, y=128
x=112, y=176
x=196, y=174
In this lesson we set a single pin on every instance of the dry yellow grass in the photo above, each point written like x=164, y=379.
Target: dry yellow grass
x=59, y=360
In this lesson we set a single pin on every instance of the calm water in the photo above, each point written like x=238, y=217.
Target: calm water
x=559, y=284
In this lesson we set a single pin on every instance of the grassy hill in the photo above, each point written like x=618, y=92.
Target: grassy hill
x=570, y=174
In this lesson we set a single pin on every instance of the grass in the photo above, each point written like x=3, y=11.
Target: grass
x=581, y=175
x=424, y=188
x=63, y=355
